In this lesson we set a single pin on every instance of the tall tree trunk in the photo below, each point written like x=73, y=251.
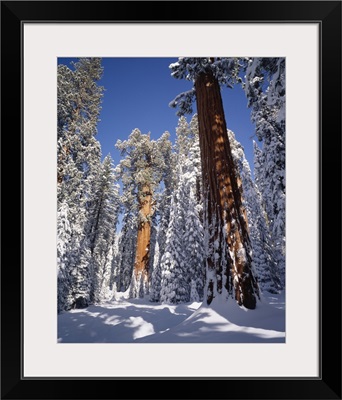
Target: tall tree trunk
x=144, y=233
x=223, y=211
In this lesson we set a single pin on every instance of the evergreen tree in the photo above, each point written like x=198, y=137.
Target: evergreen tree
x=162, y=214
x=142, y=170
x=156, y=275
x=63, y=247
x=194, y=249
x=189, y=229
x=229, y=249
x=264, y=262
x=78, y=108
x=195, y=157
x=103, y=228
x=78, y=163
x=174, y=283
x=115, y=272
x=127, y=243
x=265, y=90
x=191, y=202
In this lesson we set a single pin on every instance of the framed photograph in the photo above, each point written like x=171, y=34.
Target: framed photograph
x=41, y=357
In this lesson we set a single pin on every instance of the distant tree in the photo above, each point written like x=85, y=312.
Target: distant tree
x=142, y=170
x=174, y=281
x=155, y=287
x=229, y=268
x=127, y=241
x=103, y=221
x=163, y=196
x=193, y=233
x=183, y=259
x=194, y=249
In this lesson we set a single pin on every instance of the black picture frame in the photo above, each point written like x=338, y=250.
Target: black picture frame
x=328, y=384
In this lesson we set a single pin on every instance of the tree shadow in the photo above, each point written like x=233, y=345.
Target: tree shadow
x=201, y=329
x=119, y=322
x=136, y=321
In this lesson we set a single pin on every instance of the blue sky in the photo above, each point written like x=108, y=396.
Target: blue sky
x=137, y=95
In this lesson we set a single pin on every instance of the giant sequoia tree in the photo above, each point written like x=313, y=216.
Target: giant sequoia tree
x=229, y=268
x=142, y=170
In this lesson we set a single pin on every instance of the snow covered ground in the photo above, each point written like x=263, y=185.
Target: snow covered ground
x=140, y=321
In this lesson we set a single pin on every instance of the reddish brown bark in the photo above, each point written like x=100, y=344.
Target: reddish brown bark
x=144, y=233
x=221, y=189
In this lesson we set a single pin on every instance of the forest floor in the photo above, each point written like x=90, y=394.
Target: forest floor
x=138, y=320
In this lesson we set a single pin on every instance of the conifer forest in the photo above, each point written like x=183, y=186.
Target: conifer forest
x=182, y=238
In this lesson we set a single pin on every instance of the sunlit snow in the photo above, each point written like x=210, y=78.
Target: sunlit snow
x=139, y=320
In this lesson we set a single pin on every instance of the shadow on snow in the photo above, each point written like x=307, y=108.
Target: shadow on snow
x=119, y=322
x=140, y=321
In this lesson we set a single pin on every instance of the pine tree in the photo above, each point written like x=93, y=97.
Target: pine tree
x=103, y=223
x=156, y=275
x=187, y=262
x=78, y=108
x=162, y=214
x=194, y=250
x=229, y=250
x=265, y=90
x=189, y=181
x=264, y=262
x=174, y=283
x=115, y=272
x=165, y=163
x=78, y=162
x=127, y=244
x=63, y=247
x=195, y=157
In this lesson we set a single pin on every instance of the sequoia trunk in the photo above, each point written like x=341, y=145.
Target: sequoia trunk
x=229, y=259
x=144, y=233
